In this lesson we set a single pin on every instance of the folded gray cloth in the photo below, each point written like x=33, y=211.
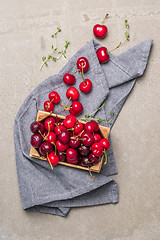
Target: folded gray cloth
x=55, y=192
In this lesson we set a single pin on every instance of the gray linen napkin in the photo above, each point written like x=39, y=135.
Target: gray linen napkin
x=55, y=192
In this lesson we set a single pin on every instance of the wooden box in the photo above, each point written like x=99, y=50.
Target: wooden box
x=34, y=153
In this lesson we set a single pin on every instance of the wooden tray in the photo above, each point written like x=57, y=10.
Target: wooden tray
x=34, y=153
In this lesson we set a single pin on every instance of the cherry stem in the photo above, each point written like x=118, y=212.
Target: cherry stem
x=48, y=131
x=78, y=70
x=65, y=107
x=90, y=173
x=49, y=162
x=105, y=157
x=75, y=137
x=41, y=135
x=52, y=100
x=68, y=101
x=55, y=147
x=117, y=46
x=104, y=18
x=82, y=74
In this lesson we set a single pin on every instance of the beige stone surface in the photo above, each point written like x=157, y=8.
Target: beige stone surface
x=25, y=29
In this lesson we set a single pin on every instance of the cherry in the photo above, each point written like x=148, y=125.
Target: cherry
x=71, y=153
x=54, y=97
x=69, y=79
x=45, y=148
x=84, y=151
x=52, y=158
x=61, y=156
x=102, y=55
x=85, y=86
x=74, y=143
x=78, y=128
x=76, y=108
x=73, y=161
x=88, y=138
x=64, y=137
x=93, y=158
x=97, y=137
x=70, y=121
x=100, y=31
x=105, y=143
x=72, y=93
x=49, y=123
x=58, y=129
x=51, y=138
x=82, y=64
x=89, y=127
x=36, y=140
x=37, y=127
x=97, y=149
x=95, y=125
x=85, y=161
x=61, y=147
x=48, y=106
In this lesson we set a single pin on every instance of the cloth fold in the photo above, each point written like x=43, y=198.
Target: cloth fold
x=55, y=192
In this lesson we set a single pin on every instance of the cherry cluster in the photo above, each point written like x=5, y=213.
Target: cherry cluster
x=54, y=99
x=68, y=140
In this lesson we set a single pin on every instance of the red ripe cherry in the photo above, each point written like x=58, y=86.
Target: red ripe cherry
x=97, y=149
x=61, y=156
x=49, y=124
x=53, y=158
x=70, y=121
x=102, y=55
x=48, y=106
x=45, y=148
x=64, y=137
x=72, y=93
x=105, y=143
x=78, y=128
x=61, y=147
x=54, y=97
x=89, y=127
x=51, y=138
x=36, y=140
x=82, y=62
x=37, y=127
x=93, y=158
x=71, y=153
x=58, y=129
x=74, y=143
x=95, y=125
x=100, y=31
x=72, y=161
x=88, y=138
x=97, y=137
x=85, y=86
x=69, y=79
x=76, y=108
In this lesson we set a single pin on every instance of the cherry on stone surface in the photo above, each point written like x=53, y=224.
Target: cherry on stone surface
x=69, y=79
x=82, y=62
x=72, y=93
x=48, y=106
x=61, y=156
x=49, y=123
x=45, y=148
x=88, y=138
x=74, y=143
x=58, y=129
x=70, y=121
x=97, y=149
x=84, y=151
x=64, y=137
x=61, y=147
x=97, y=137
x=78, y=128
x=93, y=158
x=76, y=108
x=102, y=55
x=54, y=97
x=36, y=140
x=53, y=158
x=51, y=138
x=105, y=143
x=85, y=86
x=100, y=31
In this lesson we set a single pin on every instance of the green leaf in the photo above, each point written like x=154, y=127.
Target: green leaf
x=43, y=58
x=107, y=119
x=59, y=30
x=127, y=35
x=45, y=63
x=104, y=104
x=127, y=25
x=112, y=113
x=125, y=20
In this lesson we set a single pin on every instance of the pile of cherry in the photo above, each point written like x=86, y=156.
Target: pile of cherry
x=68, y=140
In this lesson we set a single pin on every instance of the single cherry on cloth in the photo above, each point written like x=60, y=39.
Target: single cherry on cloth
x=48, y=106
x=72, y=93
x=100, y=30
x=64, y=137
x=51, y=138
x=58, y=129
x=54, y=97
x=82, y=64
x=70, y=121
x=69, y=79
x=36, y=140
x=49, y=123
x=78, y=128
x=61, y=147
x=85, y=86
x=76, y=108
x=88, y=138
x=45, y=148
x=52, y=158
x=102, y=55
x=37, y=127
x=105, y=143
x=97, y=137
x=97, y=149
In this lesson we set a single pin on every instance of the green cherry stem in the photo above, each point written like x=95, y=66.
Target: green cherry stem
x=49, y=162
x=104, y=18
x=106, y=160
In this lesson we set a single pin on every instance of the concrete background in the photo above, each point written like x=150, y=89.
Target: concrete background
x=25, y=29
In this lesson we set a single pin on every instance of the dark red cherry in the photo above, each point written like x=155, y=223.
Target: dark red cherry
x=93, y=158
x=97, y=149
x=89, y=127
x=71, y=153
x=45, y=148
x=53, y=158
x=58, y=129
x=61, y=156
x=37, y=127
x=85, y=86
x=78, y=128
x=64, y=137
x=88, y=138
x=82, y=62
x=95, y=125
x=49, y=123
x=54, y=97
x=70, y=121
x=74, y=143
x=36, y=140
x=85, y=161
x=97, y=137
x=105, y=143
x=100, y=31
x=84, y=151
x=73, y=161
x=102, y=55
x=72, y=93
x=76, y=108
x=69, y=79
x=61, y=147
x=48, y=106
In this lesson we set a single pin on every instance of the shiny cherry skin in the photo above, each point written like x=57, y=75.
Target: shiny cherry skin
x=61, y=156
x=73, y=161
x=72, y=93
x=85, y=86
x=84, y=151
x=82, y=62
x=95, y=125
x=58, y=129
x=93, y=158
x=70, y=121
x=105, y=143
x=97, y=149
x=74, y=143
x=37, y=127
x=45, y=148
x=71, y=153
x=78, y=128
x=102, y=55
x=89, y=127
x=64, y=137
x=100, y=31
x=51, y=138
x=85, y=161
x=97, y=137
x=54, y=97
x=88, y=138
x=69, y=79
x=48, y=106
x=49, y=123
x=36, y=140
x=76, y=108
x=61, y=147
x=53, y=158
